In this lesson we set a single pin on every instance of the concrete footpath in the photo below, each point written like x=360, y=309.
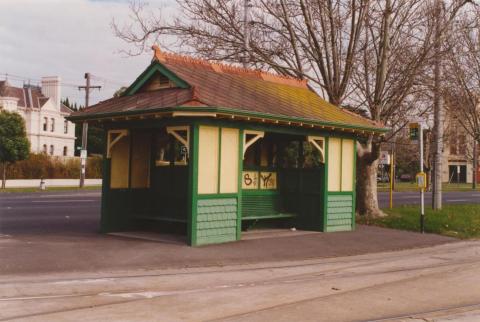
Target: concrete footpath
x=429, y=284
x=33, y=253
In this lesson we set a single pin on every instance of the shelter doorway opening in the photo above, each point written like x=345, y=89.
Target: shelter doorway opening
x=282, y=181
x=148, y=180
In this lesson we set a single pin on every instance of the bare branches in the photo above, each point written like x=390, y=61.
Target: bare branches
x=311, y=39
x=462, y=90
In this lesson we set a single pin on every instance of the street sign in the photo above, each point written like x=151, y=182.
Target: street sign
x=384, y=157
x=83, y=154
x=421, y=179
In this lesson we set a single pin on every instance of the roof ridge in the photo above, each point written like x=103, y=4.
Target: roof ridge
x=163, y=56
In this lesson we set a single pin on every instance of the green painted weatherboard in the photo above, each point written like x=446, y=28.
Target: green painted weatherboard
x=216, y=220
x=339, y=212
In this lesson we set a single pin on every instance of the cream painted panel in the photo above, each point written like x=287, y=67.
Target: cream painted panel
x=334, y=164
x=208, y=159
x=347, y=165
x=140, y=173
x=229, y=161
x=120, y=160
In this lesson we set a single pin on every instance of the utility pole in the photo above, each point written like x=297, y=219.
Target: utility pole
x=83, y=153
x=474, y=164
x=422, y=189
x=246, y=32
x=392, y=173
x=437, y=110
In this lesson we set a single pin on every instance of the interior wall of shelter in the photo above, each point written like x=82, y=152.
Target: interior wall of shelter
x=120, y=164
x=141, y=159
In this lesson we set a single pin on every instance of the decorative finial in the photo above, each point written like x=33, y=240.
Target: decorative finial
x=158, y=54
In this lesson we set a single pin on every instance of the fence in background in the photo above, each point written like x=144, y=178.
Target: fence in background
x=33, y=183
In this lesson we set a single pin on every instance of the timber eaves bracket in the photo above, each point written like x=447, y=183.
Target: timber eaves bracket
x=257, y=135
x=175, y=132
x=319, y=143
x=111, y=140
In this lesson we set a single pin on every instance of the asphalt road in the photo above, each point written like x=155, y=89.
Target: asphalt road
x=49, y=212
x=79, y=212
x=413, y=198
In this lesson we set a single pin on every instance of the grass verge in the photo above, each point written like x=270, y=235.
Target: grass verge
x=460, y=221
x=33, y=189
x=409, y=186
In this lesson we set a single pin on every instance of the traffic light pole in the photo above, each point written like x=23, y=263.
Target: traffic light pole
x=422, y=190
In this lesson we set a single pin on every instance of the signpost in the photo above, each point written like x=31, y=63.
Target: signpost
x=416, y=132
x=385, y=159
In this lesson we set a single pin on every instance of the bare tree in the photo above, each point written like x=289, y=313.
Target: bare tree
x=310, y=39
x=389, y=76
x=370, y=54
x=462, y=90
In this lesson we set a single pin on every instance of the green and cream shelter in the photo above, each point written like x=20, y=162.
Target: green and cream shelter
x=208, y=150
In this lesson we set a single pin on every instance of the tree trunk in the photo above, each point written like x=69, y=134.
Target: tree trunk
x=4, y=176
x=367, y=166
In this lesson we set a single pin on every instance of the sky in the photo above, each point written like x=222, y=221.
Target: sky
x=68, y=38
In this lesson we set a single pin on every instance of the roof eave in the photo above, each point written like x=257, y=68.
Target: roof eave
x=250, y=115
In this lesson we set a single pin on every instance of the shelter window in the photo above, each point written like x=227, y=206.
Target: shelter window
x=171, y=146
x=260, y=163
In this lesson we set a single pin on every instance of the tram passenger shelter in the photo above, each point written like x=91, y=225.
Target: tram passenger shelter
x=207, y=150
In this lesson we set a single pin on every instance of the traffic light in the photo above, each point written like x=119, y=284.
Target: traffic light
x=414, y=131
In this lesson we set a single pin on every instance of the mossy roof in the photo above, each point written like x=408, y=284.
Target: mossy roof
x=210, y=85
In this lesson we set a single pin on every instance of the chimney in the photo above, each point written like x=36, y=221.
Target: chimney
x=51, y=89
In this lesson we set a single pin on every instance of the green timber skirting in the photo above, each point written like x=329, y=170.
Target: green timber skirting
x=340, y=212
x=216, y=220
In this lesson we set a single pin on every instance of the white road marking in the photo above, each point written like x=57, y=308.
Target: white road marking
x=84, y=281
x=56, y=201
x=69, y=195
x=455, y=200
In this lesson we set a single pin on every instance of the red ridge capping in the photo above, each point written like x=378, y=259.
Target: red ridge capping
x=164, y=57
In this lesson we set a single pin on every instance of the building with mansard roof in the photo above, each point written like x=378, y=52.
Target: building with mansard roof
x=44, y=114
